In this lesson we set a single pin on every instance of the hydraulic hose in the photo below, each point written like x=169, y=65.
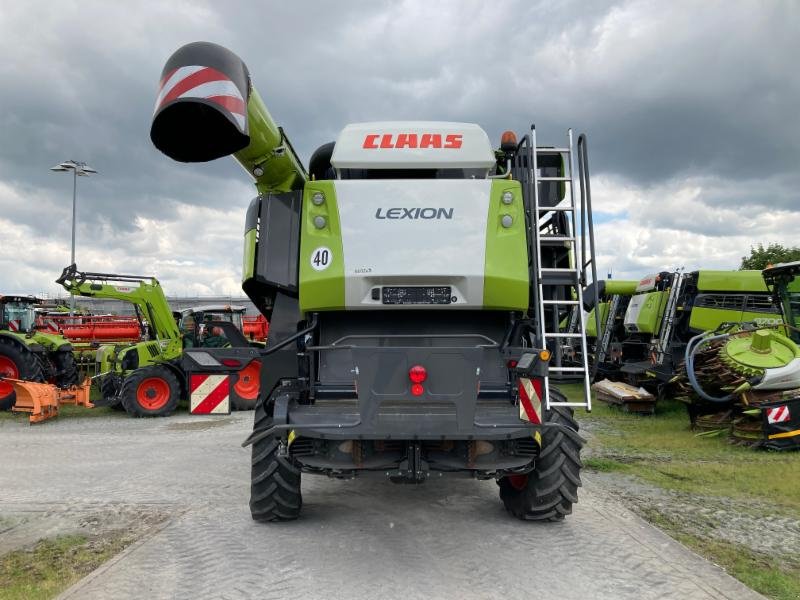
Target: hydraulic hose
x=692, y=347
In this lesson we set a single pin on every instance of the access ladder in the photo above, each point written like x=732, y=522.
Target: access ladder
x=665, y=336
x=601, y=351
x=560, y=267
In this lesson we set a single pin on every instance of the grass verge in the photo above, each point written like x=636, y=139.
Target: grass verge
x=52, y=565
x=662, y=450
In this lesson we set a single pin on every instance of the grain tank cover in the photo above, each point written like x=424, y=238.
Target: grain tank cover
x=201, y=108
x=413, y=145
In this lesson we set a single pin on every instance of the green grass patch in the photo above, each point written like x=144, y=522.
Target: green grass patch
x=756, y=570
x=664, y=451
x=53, y=565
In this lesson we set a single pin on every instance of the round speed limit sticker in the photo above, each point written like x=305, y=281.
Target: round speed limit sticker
x=321, y=258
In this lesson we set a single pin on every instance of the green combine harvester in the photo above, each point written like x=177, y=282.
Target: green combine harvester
x=28, y=354
x=669, y=308
x=605, y=342
x=414, y=278
x=752, y=373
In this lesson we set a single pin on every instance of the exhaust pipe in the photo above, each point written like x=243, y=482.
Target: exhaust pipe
x=207, y=108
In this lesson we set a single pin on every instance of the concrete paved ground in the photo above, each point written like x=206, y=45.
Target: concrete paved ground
x=449, y=538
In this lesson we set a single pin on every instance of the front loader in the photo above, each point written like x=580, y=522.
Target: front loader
x=143, y=377
x=414, y=279
x=147, y=378
x=28, y=354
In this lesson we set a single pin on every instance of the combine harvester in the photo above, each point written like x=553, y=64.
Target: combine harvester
x=604, y=342
x=667, y=309
x=414, y=281
x=747, y=378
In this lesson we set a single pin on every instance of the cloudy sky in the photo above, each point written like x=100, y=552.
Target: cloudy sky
x=690, y=108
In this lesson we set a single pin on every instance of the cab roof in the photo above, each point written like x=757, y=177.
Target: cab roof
x=413, y=145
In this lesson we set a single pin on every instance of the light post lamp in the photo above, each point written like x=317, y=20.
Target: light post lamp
x=79, y=169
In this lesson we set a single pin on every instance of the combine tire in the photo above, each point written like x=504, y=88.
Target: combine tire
x=150, y=392
x=548, y=492
x=274, y=480
x=16, y=363
x=245, y=390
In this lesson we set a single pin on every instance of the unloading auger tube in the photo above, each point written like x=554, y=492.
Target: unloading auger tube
x=206, y=83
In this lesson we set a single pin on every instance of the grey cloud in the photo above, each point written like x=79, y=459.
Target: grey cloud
x=666, y=91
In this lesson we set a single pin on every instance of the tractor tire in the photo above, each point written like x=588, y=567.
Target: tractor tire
x=548, y=492
x=110, y=386
x=274, y=480
x=66, y=370
x=150, y=392
x=16, y=363
x=247, y=387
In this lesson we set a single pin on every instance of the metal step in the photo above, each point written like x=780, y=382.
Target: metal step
x=581, y=404
x=557, y=238
x=548, y=334
x=567, y=369
x=554, y=179
x=553, y=150
x=561, y=302
x=561, y=208
x=558, y=270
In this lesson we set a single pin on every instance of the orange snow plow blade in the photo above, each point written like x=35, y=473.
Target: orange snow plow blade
x=42, y=400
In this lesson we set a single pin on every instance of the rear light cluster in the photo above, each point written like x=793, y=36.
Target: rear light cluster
x=417, y=374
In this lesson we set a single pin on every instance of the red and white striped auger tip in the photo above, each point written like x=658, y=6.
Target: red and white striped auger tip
x=201, y=108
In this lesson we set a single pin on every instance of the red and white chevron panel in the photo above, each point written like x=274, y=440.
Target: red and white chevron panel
x=206, y=83
x=530, y=400
x=210, y=394
x=13, y=325
x=779, y=414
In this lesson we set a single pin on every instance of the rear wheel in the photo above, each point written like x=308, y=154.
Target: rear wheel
x=548, y=492
x=246, y=388
x=150, y=392
x=274, y=480
x=16, y=363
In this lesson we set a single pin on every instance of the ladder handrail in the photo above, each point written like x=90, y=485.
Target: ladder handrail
x=586, y=211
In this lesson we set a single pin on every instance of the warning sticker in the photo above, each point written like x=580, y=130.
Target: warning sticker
x=779, y=414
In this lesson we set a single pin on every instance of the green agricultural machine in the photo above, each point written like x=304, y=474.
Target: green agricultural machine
x=414, y=279
x=667, y=309
x=28, y=354
x=605, y=343
x=147, y=378
x=747, y=377
x=142, y=378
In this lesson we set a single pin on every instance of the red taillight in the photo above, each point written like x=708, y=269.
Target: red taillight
x=231, y=362
x=511, y=364
x=417, y=374
x=417, y=389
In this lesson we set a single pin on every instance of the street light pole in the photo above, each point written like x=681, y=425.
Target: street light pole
x=74, y=212
x=79, y=169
